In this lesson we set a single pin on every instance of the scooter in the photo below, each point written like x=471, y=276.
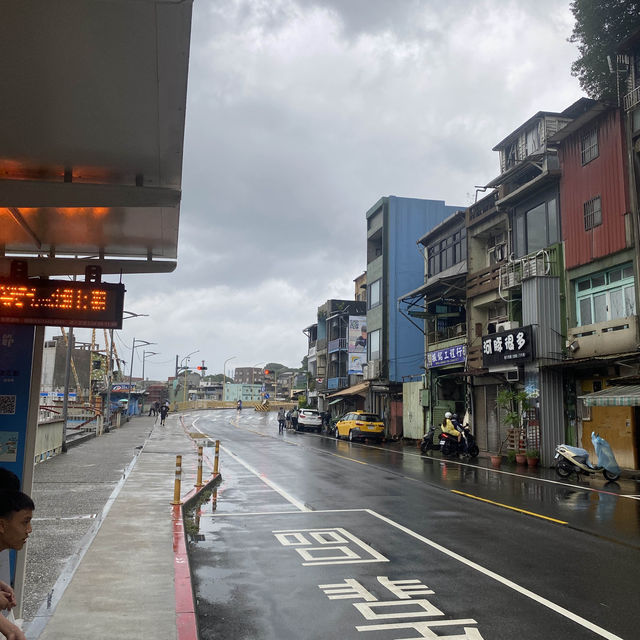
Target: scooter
x=448, y=444
x=573, y=459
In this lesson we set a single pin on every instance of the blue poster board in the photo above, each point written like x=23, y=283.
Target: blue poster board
x=16, y=355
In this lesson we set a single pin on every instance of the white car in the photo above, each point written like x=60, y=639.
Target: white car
x=309, y=419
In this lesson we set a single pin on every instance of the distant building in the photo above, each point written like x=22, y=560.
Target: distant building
x=248, y=375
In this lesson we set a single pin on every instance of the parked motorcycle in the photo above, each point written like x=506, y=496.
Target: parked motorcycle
x=575, y=460
x=449, y=444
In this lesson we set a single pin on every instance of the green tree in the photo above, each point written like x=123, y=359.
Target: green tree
x=601, y=25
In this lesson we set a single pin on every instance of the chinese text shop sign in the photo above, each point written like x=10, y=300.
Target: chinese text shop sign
x=507, y=347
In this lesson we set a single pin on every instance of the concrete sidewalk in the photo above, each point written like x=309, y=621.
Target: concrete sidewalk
x=123, y=583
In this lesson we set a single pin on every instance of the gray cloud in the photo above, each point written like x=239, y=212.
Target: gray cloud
x=300, y=116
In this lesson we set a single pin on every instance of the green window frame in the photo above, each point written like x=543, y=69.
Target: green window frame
x=605, y=295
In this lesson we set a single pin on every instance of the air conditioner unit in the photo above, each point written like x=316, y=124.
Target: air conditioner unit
x=513, y=375
x=506, y=326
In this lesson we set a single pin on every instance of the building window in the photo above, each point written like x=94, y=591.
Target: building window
x=374, y=293
x=373, y=340
x=536, y=228
x=592, y=213
x=589, y=146
x=445, y=253
x=606, y=295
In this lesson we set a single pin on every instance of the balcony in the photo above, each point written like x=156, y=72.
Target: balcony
x=340, y=344
x=448, y=336
x=483, y=281
x=543, y=263
x=603, y=338
x=312, y=352
x=337, y=383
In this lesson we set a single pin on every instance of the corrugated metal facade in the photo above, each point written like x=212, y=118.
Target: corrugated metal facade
x=412, y=412
x=604, y=176
x=541, y=309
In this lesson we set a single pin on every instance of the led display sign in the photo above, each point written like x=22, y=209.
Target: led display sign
x=62, y=303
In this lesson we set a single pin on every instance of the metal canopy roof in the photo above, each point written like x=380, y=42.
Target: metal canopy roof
x=619, y=396
x=92, y=130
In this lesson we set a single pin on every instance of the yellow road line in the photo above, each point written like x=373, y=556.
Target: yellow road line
x=350, y=459
x=506, y=506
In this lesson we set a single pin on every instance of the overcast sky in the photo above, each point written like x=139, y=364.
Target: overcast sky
x=301, y=114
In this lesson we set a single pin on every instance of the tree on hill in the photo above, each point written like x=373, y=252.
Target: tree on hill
x=601, y=25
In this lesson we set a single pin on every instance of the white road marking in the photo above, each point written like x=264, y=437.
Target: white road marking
x=502, y=580
x=270, y=483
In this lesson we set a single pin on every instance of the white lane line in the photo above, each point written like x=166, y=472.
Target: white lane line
x=299, y=505
x=505, y=581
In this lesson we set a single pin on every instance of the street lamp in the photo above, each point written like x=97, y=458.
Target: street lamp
x=253, y=371
x=144, y=357
x=224, y=378
x=140, y=343
x=130, y=314
x=185, y=368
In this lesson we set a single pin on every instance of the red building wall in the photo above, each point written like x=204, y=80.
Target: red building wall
x=604, y=176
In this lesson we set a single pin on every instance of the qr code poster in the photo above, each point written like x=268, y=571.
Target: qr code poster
x=8, y=446
x=7, y=405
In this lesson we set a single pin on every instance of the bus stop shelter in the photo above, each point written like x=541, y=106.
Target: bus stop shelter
x=92, y=131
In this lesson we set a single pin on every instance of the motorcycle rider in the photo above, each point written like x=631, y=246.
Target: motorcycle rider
x=449, y=427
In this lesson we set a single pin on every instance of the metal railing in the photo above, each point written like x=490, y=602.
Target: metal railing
x=339, y=344
x=631, y=99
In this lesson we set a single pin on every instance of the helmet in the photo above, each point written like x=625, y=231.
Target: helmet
x=454, y=416
x=447, y=415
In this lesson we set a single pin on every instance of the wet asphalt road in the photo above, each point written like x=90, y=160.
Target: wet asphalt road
x=314, y=538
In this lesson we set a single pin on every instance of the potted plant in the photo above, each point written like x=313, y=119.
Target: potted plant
x=533, y=456
x=513, y=403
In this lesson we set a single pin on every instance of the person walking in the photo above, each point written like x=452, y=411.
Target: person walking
x=281, y=420
x=164, y=411
x=294, y=419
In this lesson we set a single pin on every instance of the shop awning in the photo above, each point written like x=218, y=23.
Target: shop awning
x=617, y=396
x=356, y=389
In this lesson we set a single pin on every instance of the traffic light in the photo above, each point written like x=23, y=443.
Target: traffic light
x=201, y=368
x=267, y=372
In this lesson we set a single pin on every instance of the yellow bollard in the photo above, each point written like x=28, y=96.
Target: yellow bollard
x=176, y=486
x=199, y=477
x=216, y=459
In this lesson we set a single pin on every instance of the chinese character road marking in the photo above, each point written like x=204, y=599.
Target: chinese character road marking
x=348, y=589
x=425, y=631
x=405, y=589
x=421, y=609
x=336, y=546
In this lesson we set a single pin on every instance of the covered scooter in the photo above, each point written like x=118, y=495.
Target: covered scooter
x=573, y=459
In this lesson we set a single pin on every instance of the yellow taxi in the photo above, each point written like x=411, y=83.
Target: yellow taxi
x=358, y=425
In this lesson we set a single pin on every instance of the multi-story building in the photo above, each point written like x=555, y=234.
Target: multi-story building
x=248, y=375
x=245, y=392
x=83, y=361
x=516, y=286
x=601, y=347
x=438, y=310
x=339, y=351
x=395, y=350
x=312, y=364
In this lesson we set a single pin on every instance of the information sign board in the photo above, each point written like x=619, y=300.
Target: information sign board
x=62, y=303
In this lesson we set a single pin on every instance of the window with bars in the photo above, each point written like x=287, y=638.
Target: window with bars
x=592, y=213
x=589, y=146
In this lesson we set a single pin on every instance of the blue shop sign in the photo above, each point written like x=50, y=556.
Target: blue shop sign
x=451, y=355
